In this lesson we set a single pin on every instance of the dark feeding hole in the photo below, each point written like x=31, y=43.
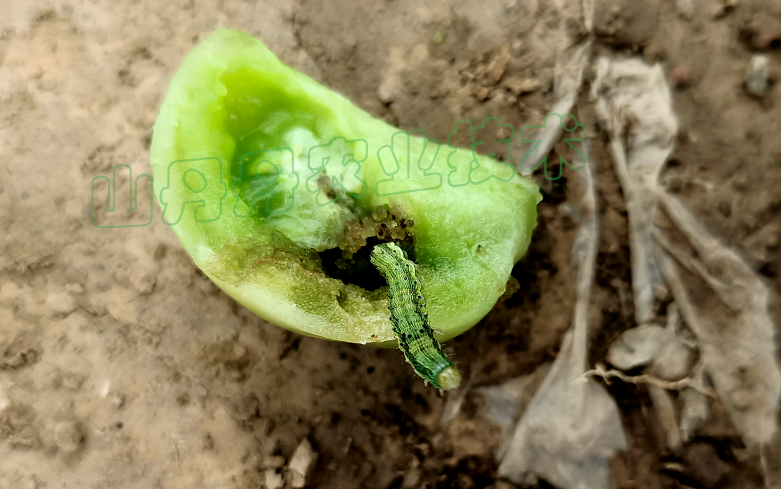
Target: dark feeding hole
x=359, y=270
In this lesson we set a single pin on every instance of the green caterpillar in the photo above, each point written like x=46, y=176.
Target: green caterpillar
x=410, y=320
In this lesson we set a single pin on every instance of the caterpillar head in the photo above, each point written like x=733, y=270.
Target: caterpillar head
x=449, y=379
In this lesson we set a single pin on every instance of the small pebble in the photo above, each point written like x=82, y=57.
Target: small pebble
x=481, y=92
x=705, y=465
x=274, y=461
x=15, y=360
x=740, y=183
x=60, y=303
x=75, y=288
x=273, y=480
x=118, y=400
x=767, y=40
x=68, y=436
x=686, y=8
x=144, y=283
x=726, y=7
x=160, y=251
x=662, y=293
x=520, y=86
x=680, y=77
x=411, y=479
x=301, y=463
x=72, y=381
x=757, y=81
x=386, y=93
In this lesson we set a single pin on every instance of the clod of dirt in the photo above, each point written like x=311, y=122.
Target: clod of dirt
x=301, y=463
x=767, y=40
x=680, y=77
x=273, y=461
x=246, y=409
x=68, y=435
x=704, y=464
x=487, y=75
x=626, y=23
x=511, y=288
x=273, y=480
x=495, y=69
x=117, y=400
x=757, y=81
x=686, y=8
x=411, y=478
x=17, y=358
x=761, y=33
x=60, y=303
x=144, y=283
x=725, y=8
x=17, y=427
x=14, y=360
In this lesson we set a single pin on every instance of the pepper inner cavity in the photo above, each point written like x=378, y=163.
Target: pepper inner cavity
x=350, y=262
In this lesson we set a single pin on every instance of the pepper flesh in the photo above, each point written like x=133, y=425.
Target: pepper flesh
x=232, y=97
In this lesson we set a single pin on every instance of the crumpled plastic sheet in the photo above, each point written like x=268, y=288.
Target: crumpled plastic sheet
x=727, y=307
x=720, y=299
x=665, y=356
x=570, y=429
x=568, y=76
x=634, y=103
x=572, y=426
x=508, y=401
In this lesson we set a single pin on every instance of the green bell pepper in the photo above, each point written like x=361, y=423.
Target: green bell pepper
x=275, y=184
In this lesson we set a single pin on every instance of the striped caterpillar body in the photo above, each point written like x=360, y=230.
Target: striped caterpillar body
x=410, y=319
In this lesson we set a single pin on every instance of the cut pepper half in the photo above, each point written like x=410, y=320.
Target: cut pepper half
x=278, y=187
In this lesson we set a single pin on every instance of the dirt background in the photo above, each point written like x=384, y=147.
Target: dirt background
x=122, y=366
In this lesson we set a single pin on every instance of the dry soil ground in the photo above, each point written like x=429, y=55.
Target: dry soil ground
x=122, y=366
